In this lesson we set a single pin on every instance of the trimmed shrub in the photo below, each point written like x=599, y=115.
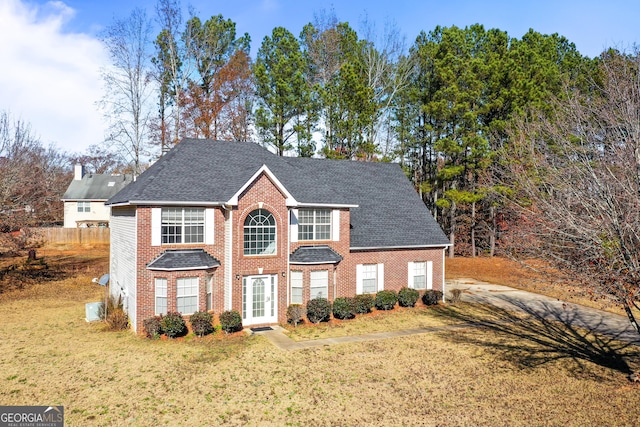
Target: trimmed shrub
x=456, y=294
x=363, y=303
x=386, y=300
x=173, y=324
x=230, y=321
x=318, y=310
x=295, y=314
x=408, y=297
x=344, y=308
x=201, y=323
x=153, y=326
x=431, y=297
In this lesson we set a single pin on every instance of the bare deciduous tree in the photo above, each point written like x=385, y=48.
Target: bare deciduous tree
x=128, y=85
x=388, y=72
x=578, y=177
x=98, y=159
x=32, y=177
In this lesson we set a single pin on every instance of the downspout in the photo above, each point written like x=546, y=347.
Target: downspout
x=443, y=290
x=228, y=256
x=288, y=258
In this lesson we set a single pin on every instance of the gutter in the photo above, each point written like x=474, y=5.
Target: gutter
x=325, y=205
x=313, y=263
x=377, y=248
x=166, y=203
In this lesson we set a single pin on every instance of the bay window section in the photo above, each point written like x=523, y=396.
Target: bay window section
x=319, y=284
x=187, y=295
x=296, y=287
x=161, y=296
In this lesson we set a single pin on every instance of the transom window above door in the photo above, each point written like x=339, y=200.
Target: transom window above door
x=260, y=233
x=314, y=224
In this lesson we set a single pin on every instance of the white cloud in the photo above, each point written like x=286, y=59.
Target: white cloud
x=50, y=78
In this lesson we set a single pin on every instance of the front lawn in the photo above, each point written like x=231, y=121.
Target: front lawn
x=509, y=372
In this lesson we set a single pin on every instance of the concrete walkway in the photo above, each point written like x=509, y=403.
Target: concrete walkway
x=504, y=297
x=280, y=339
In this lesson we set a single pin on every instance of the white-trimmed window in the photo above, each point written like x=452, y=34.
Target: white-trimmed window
x=369, y=278
x=187, y=295
x=296, y=287
x=209, y=293
x=319, y=284
x=419, y=274
x=260, y=233
x=314, y=224
x=161, y=296
x=84, y=206
x=183, y=225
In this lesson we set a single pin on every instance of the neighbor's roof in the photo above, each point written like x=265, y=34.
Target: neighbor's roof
x=183, y=259
x=386, y=211
x=96, y=187
x=315, y=255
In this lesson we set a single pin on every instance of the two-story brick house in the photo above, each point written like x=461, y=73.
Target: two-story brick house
x=227, y=225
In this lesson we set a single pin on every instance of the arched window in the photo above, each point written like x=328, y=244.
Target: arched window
x=260, y=233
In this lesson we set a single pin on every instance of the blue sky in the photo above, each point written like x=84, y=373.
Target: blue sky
x=52, y=58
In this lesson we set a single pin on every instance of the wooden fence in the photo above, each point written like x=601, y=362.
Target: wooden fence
x=72, y=236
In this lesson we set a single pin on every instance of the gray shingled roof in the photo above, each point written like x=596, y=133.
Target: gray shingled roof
x=96, y=187
x=315, y=255
x=389, y=211
x=183, y=259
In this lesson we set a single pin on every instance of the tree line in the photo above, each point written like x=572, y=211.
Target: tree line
x=441, y=107
x=518, y=146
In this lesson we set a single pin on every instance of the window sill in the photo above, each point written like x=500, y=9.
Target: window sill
x=261, y=256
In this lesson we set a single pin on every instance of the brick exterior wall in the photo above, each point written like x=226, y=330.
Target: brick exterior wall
x=337, y=271
x=261, y=194
x=342, y=276
x=395, y=267
x=264, y=194
x=146, y=278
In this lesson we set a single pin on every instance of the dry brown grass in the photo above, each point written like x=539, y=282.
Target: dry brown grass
x=503, y=271
x=508, y=373
x=377, y=321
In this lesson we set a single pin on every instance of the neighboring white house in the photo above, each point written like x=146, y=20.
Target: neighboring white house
x=84, y=199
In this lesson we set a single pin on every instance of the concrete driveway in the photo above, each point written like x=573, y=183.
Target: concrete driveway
x=504, y=297
x=509, y=299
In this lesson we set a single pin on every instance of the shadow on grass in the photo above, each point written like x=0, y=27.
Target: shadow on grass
x=24, y=273
x=541, y=335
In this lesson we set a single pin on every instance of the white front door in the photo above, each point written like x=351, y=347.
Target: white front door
x=259, y=300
